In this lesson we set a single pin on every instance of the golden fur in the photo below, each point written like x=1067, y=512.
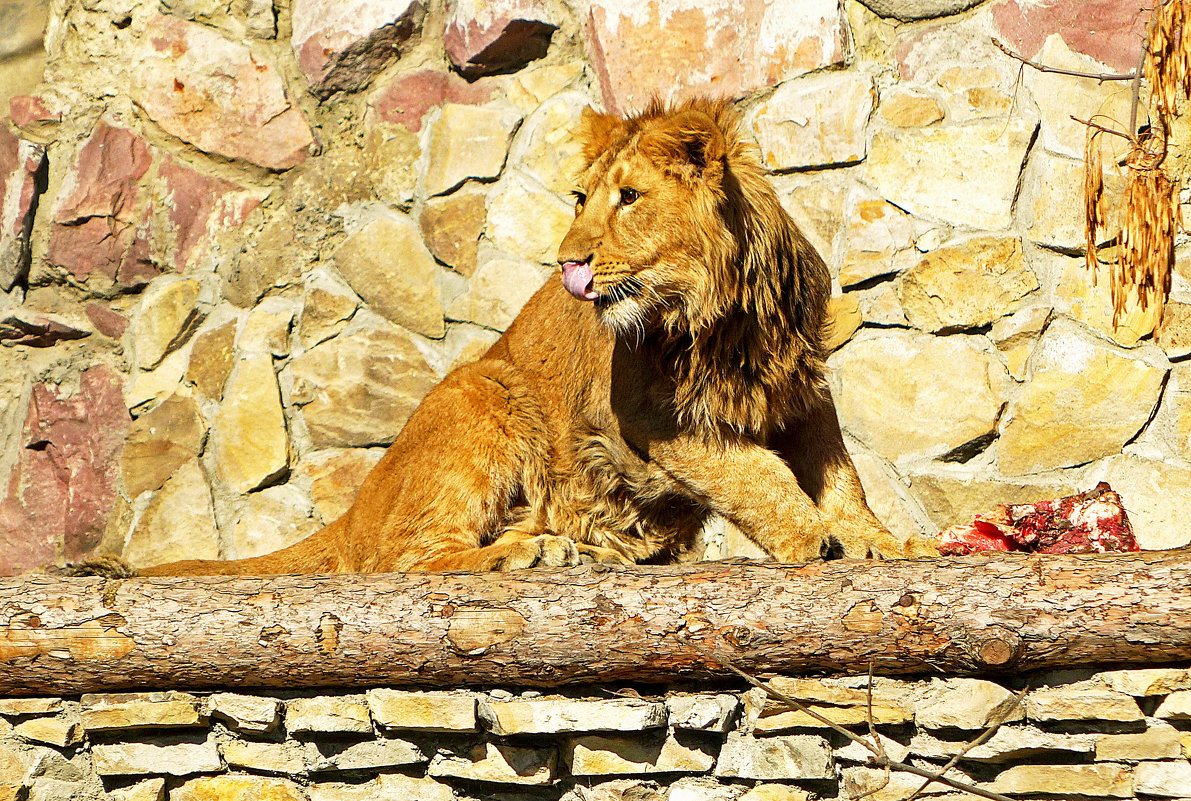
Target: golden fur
x=610, y=429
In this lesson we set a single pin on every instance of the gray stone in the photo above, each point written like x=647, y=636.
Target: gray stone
x=250, y=441
x=1083, y=401
x=703, y=712
x=815, y=121
x=387, y=265
x=1010, y=743
x=383, y=753
x=936, y=411
x=1158, y=741
x=1176, y=706
x=359, y=388
x=1103, y=780
x=468, y=142
x=385, y=787
x=907, y=10
x=246, y=713
x=498, y=290
x=498, y=763
x=1163, y=779
x=1082, y=701
x=326, y=714
x=966, y=704
x=131, y=759
x=289, y=758
x=1143, y=682
x=555, y=715
x=20, y=707
x=795, y=756
x=439, y=712
x=964, y=175
x=601, y=755
x=122, y=711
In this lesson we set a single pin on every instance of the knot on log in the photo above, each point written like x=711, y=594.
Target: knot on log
x=997, y=648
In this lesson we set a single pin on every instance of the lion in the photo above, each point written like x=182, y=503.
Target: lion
x=673, y=368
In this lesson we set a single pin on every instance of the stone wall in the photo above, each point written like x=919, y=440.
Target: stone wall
x=240, y=240
x=1118, y=734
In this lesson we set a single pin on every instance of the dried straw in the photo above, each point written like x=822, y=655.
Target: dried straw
x=1145, y=238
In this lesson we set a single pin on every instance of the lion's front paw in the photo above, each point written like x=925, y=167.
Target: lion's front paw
x=545, y=550
x=870, y=543
x=594, y=554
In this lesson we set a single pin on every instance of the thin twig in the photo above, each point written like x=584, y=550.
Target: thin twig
x=1141, y=61
x=984, y=737
x=780, y=696
x=1097, y=126
x=1095, y=76
x=880, y=760
x=872, y=732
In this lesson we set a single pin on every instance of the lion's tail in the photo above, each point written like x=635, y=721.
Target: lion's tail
x=319, y=553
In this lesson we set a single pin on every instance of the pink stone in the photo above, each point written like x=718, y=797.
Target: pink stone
x=342, y=44
x=406, y=100
x=218, y=95
x=26, y=109
x=104, y=182
x=497, y=36
x=198, y=206
x=21, y=181
x=1109, y=31
x=93, y=227
x=64, y=484
x=108, y=322
x=674, y=49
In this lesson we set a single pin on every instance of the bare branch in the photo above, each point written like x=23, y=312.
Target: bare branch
x=1097, y=126
x=879, y=760
x=1095, y=76
x=780, y=696
x=984, y=737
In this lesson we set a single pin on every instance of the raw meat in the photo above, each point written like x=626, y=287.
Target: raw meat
x=1091, y=522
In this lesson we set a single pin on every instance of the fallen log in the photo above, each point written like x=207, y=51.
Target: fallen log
x=988, y=614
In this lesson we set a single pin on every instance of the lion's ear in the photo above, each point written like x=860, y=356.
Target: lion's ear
x=691, y=141
x=597, y=131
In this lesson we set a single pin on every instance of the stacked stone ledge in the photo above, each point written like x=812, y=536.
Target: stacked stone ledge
x=1115, y=734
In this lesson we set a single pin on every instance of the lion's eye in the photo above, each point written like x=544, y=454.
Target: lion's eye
x=628, y=196
x=580, y=198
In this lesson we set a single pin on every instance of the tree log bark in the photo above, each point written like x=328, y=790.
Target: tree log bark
x=986, y=614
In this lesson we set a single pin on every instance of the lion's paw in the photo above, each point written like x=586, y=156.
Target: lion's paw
x=868, y=544
x=594, y=554
x=545, y=550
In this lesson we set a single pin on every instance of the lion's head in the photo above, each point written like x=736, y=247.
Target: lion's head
x=676, y=223
x=678, y=231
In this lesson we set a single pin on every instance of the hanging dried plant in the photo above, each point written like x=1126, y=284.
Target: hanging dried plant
x=1145, y=235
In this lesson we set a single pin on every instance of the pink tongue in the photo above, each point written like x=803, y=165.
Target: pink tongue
x=577, y=278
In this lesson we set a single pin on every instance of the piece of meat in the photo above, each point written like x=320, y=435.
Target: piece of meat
x=1091, y=522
